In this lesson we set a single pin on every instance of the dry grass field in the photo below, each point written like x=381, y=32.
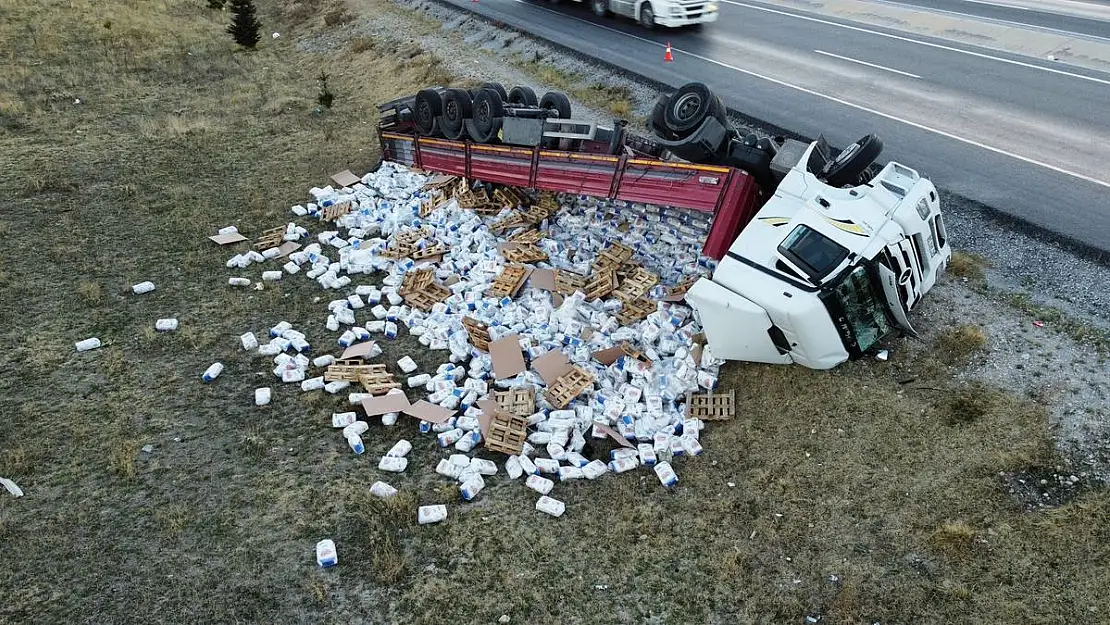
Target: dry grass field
x=132, y=129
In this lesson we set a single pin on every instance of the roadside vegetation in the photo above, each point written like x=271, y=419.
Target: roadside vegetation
x=132, y=130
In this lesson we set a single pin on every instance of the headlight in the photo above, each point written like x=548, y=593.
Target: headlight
x=711, y=7
x=677, y=11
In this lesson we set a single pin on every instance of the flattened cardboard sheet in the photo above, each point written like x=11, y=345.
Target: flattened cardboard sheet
x=608, y=356
x=345, y=179
x=227, y=239
x=358, y=350
x=551, y=365
x=390, y=402
x=427, y=411
x=613, y=434
x=287, y=248
x=488, y=407
x=544, y=279
x=508, y=359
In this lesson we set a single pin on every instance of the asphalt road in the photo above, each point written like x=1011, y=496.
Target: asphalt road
x=1027, y=137
x=1011, y=14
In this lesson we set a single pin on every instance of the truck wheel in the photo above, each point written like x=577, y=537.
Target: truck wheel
x=427, y=107
x=601, y=8
x=488, y=113
x=720, y=111
x=658, y=124
x=847, y=167
x=496, y=86
x=524, y=96
x=558, y=102
x=689, y=107
x=457, y=107
x=647, y=16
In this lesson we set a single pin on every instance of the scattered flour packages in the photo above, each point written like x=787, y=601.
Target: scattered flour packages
x=638, y=360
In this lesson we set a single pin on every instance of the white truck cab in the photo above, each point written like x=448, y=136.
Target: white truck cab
x=652, y=13
x=822, y=274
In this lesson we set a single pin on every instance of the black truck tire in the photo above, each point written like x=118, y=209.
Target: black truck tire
x=647, y=16
x=558, y=102
x=600, y=8
x=496, y=86
x=457, y=108
x=427, y=107
x=488, y=113
x=852, y=162
x=523, y=96
x=658, y=124
x=688, y=108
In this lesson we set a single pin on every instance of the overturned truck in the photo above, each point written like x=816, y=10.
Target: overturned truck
x=819, y=257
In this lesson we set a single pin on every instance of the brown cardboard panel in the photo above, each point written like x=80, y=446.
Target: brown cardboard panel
x=613, y=434
x=551, y=365
x=508, y=359
x=427, y=411
x=528, y=269
x=608, y=356
x=451, y=279
x=226, y=239
x=287, y=248
x=544, y=279
x=390, y=402
x=508, y=245
x=358, y=350
x=556, y=299
x=488, y=407
x=346, y=179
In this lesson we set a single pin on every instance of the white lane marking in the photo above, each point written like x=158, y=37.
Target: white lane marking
x=928, y=9
x=1001, y=4
x=851, y=60
x=858, y=107
x=918, y=41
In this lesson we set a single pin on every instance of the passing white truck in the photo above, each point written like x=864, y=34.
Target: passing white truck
x=823, y=273
x=653, y=13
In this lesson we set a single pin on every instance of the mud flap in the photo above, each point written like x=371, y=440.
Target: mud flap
x=736, y=327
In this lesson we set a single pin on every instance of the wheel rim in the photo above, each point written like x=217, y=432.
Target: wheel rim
x=687, y=106
x=646, y=16
x=424, y=117
x=483, y=117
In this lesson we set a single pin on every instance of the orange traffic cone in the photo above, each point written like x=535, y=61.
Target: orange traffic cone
x=668, y=57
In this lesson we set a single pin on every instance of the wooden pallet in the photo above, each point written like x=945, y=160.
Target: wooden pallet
x=535, y=214
x=612, y=257
x=679, y=290
x=636, y=285
x=428, y=205
x=437, y=249
x=567, y=282
x=478, y=332
x=507, y=197
x=351, y=373
x=506, y=433
x=378, y=384
x=470, y=199
x=567, y=387
x=527, y=236
x=509, y=282
x=270, y=238
x=441, y=184
x=634, y=311
x=600, y=285
x=710, y=407
x=428, y=297
x=416, y=280
x=526, y=253
x=487, y=209
x=335, y=211
x=519, y=401
x=635, y=353
x=513, y=220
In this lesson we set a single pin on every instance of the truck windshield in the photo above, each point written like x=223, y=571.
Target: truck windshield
x=812, y=252
x=862, y=308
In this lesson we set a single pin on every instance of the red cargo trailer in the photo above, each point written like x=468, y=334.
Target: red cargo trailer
x=731, y=195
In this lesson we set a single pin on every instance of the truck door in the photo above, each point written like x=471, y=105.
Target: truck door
x=736, y=327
